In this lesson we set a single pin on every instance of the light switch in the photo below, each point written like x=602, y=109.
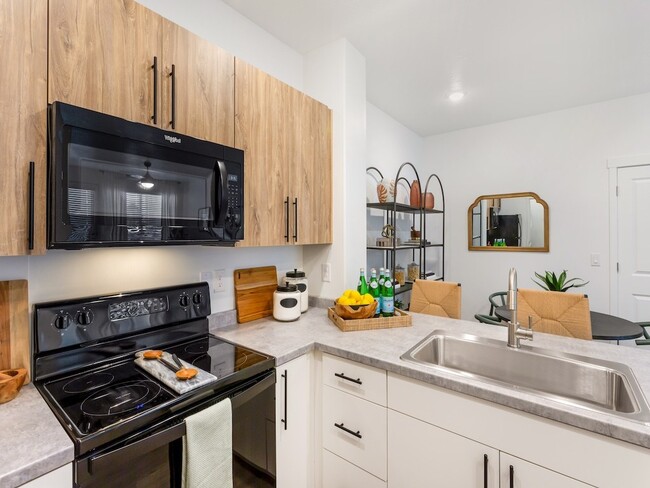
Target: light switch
x=595, y=259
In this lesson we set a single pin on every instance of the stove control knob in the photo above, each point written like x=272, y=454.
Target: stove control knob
x=62, y=320
x=184, y=300
x=84, y=317
x=197, y=298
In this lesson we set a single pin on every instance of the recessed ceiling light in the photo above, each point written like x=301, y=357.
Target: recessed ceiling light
x=456, y=96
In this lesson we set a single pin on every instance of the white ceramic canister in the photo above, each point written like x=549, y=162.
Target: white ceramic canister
x=299, y=279
x=286, y=303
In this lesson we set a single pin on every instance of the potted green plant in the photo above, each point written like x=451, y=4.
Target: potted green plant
x=552, y=282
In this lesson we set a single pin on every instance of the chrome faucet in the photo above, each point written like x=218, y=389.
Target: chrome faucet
x=515, y=331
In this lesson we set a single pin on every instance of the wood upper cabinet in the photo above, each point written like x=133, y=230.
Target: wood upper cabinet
x=101, y=57
x=23, y=102
x=286, y=137
x=264, y=120
x=311, y=179
x=203, y=84
x=116, y=57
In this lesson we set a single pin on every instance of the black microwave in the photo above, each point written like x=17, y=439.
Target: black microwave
x=112, y=182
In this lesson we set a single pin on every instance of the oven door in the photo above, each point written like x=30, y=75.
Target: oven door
x=152, y=458
x=116, y=183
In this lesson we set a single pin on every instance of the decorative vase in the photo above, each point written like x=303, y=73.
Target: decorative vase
x=415, y=194
x=386, y=191
x=428, y=200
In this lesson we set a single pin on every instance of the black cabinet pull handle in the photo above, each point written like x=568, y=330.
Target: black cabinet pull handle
x=512, y=476
x=347, y=378
x=345, y=429
x=30, y=224
x=295, y=217
x=173, y=76
x=286, y=234
x=485, y=471
x=284, y=420
x=154, y=67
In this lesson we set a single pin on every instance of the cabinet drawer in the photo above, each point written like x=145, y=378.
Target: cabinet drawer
x=355, y=378
x=338, y=473
x=364, y=441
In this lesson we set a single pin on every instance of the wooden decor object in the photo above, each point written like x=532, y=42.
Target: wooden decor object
x=400, y=319
x=254, y=289
x=11, y=381
x=14, y=326
x=347, y=312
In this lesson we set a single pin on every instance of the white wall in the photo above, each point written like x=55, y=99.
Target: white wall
x=389, y=145
x=336, y=75
x=562, y=157
x=68, y=274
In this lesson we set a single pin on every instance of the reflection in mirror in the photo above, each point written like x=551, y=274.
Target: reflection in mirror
x=508, y=222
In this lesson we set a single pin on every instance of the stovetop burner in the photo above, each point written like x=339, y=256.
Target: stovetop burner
x=97, y=400
x=120, y=398
x=88, y=382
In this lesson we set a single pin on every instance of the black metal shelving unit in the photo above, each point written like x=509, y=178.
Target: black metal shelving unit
x=419, y=214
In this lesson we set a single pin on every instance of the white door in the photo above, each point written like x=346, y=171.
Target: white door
x=633, y=236
x=294, y=437
x=421, y=455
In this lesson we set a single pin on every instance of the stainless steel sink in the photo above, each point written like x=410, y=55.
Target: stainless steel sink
x=599, y=385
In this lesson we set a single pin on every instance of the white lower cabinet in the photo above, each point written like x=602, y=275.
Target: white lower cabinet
x=294, y=424
x=421, y=455
x=59, y=478
x=338, y=473
x=517, y=473
x=355, y=429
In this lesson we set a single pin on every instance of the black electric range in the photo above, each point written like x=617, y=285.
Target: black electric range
x=84, y=365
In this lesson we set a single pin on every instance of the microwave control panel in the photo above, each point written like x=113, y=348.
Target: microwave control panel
x=234, y=213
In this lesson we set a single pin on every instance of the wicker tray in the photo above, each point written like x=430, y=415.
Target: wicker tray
x=400, y=319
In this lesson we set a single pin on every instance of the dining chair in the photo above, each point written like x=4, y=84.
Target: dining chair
x=646, y=334
x=489, y=319
x=439, y=298
x=554, y=312
x=497, y=299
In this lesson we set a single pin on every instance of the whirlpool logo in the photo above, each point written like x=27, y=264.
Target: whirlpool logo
x=173, y=139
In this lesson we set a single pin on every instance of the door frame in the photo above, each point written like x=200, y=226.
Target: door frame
x=613, y=165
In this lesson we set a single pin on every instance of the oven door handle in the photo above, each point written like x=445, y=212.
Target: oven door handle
x=249, y=393
x=124, y=454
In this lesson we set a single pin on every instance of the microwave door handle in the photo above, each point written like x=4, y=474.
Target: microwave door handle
x=223, y=206
x=125, y=454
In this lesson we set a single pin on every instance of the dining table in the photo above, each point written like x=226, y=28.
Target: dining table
x=604, y=327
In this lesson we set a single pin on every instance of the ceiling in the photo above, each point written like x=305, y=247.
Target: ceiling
x=511, y=58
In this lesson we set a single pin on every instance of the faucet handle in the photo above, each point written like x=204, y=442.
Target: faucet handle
x=530, y=322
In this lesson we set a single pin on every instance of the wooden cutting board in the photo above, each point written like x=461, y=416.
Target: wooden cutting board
x=14, y=326
x=254, y=289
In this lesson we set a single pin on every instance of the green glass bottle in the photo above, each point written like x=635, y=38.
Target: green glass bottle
x=388, y=297
x=381, y=280
x=362, y=287
x=374, y=289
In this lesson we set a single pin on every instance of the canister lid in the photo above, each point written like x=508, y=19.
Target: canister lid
x=287, y=287
x=295, y=274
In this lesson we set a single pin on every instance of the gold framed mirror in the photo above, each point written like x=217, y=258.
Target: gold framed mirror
x=508, y=222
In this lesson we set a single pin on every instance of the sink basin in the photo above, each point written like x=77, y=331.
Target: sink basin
x=594, y=384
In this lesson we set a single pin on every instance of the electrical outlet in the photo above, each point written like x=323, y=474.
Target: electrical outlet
x=326, y=272
x=595, y=259
x=218, y=280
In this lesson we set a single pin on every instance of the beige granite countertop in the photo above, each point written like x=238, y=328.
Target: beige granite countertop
x=383, y=348
x=33, y=442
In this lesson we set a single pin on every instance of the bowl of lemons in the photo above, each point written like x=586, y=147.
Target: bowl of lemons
x=353, y=305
